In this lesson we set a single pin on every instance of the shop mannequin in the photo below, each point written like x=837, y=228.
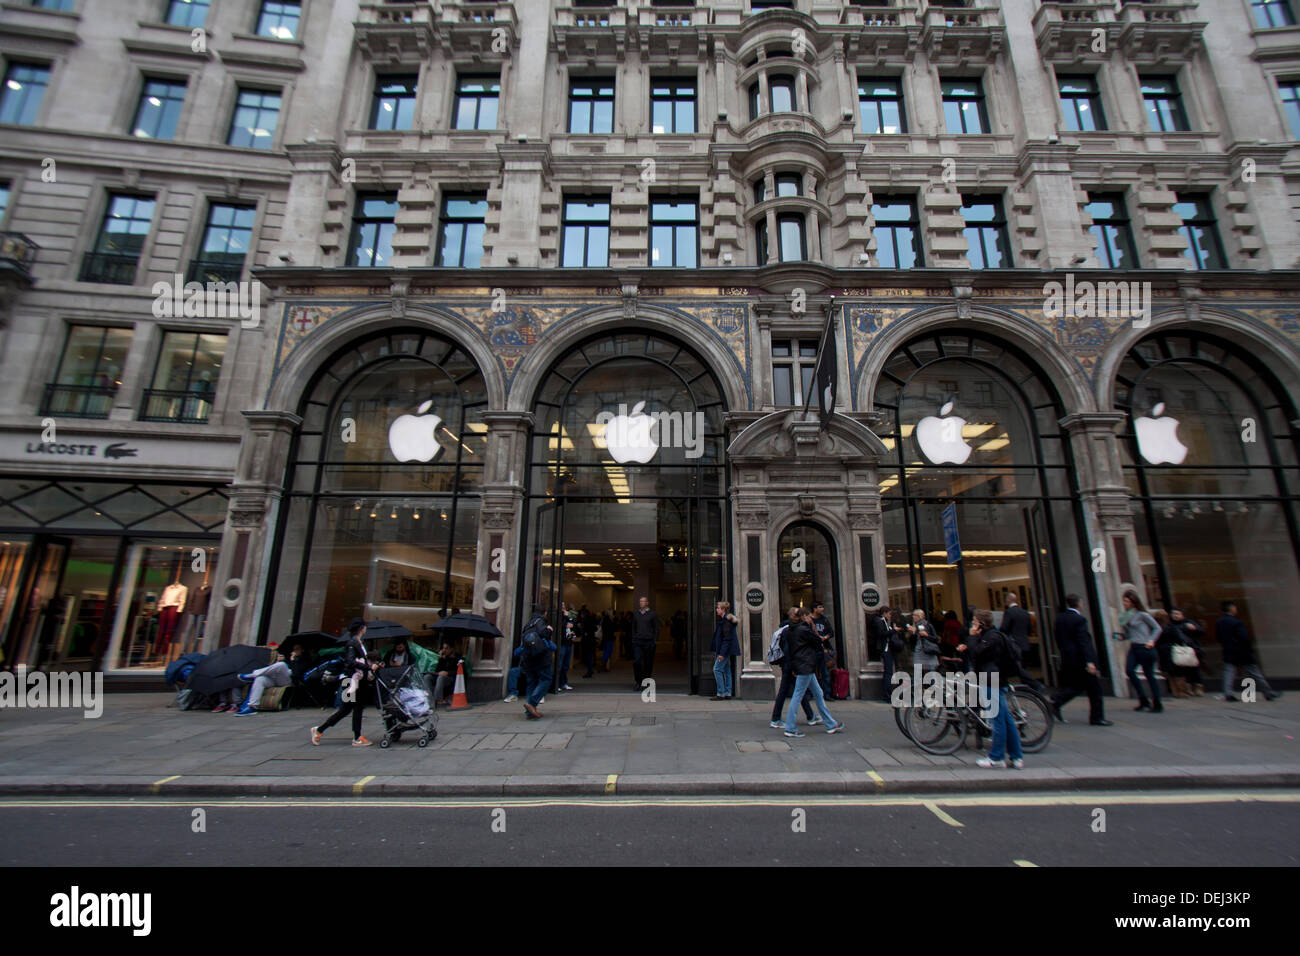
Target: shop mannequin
x=170, y=606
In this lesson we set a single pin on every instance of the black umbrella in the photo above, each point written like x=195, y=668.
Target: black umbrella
x=220, y=670
x=384, y=630
x=311, y=642
x=466, y=625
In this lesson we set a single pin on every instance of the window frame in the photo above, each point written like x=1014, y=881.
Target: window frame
x=892, y=226
x=262, y=16
x=140, y=105
x=673, y=98
x=16, y=63
x=674, y=225
x=360, y=220
x=980, y=99
x=88, y=392
x=998, y=225
x=1172, y=98
x=445, y=219
x=206, y=6
x=586, y=225
x=201, y=264
x=1122, y=226
x=797, y=363
x=461, y=96
x=1070, y=103
x=188, y=394
x=1209, y=223
x=1259, y=7
x=260, y=91
x=864, y=100
x=593, y=85
x=1290, y=107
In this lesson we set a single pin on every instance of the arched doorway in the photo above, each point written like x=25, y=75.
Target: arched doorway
x=383, y=487
x=808, y=571
x=1209, y=450
x=973, y=423
x=626, y=497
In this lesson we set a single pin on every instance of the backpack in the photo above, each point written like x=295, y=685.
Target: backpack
x=534, y=643
x=774, y=652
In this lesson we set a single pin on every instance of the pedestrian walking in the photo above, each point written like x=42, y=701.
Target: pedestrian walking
x=993, y=652
x=826, y=631
x=1140, y=631
x=880, y=631
x=806, y=649
x=1190, y=669
x=725, y=649
x=1238, y=653
x=785, y=659
x=358, y=672
x=645, y=635
x=536, y=656
x=568, y=638
x=1078, y=664
x=926, y=651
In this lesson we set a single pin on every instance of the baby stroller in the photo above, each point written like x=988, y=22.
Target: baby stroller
x=406, y=703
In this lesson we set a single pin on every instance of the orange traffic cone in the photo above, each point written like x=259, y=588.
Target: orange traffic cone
x=458, y=699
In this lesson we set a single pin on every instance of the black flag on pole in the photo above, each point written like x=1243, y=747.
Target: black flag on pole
x=825, y=374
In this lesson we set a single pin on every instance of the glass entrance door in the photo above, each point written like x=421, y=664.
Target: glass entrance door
x=40, y=603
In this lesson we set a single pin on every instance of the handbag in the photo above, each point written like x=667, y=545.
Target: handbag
x=1183, y=655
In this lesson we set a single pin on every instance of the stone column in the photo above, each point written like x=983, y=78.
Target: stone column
x=1112, y=539
x=499, y=548
x=239, y=588
x=514, y=238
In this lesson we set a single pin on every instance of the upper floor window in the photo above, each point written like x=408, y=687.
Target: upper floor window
x=1112, y=231
x=187, y=13
x=987, y=245
x=460, y=230
x=64, y=5
x=256, y=114
x=477, y=100
x=757, y=6
x=25, y=85
x=393, y=105
x=120, y=240
x=672, y=106
x=1164, y=104
x=1273, y=13
x=1201, y=231
x=880, y=104
x=227, y=238
x=89, y=372
x=793, y=364
x=1290, y=91
x=784, y=184
x=780, y=96
x=674, y=232
x=1081, y=103
x=585, y=232
x=374, y=223
x=279, y=19
x=5, y=188
x=792, y=242
x=898, y=232
x=185, y=377
x=591, y=106
x=159, y=109
x=963, y=106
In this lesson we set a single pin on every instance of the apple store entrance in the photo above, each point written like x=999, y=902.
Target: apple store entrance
x=626, y=499
x=974, y=423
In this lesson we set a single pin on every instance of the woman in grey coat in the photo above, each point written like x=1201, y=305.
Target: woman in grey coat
x=1141, y=632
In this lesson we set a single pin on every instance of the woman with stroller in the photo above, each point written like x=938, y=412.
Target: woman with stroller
x=357, y=670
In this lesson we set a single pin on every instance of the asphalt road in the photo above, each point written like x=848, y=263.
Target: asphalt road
x=1172, y=829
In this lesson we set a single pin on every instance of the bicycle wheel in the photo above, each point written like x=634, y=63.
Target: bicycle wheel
x=900, y=719
x=936, y=730
x=1033, y=718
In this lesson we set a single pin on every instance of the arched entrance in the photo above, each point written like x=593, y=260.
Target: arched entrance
x=626, y=497
x=973, y=423
x=808, y=571
x=1209, y=451
x=383, y=488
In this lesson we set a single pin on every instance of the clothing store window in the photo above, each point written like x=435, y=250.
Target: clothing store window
x=163, y=603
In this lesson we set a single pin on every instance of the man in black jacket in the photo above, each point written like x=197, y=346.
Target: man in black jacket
x=1230, y=631
x=645, y=634
x=787, y=676
x=805, y=651
x=1017, y=623
x=1078, y=663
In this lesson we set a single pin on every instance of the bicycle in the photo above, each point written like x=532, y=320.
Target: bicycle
x=942, y=730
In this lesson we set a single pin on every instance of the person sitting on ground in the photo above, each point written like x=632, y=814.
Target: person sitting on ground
x=445, y=670
x=280, y=674
x=399, y=655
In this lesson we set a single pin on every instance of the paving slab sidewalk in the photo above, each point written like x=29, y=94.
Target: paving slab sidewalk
x=603, y=743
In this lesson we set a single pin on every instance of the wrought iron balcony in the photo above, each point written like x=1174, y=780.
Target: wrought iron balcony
x=110, y=267
x=215, y=270
x=17, y=252
x=176, y=405
x=78, y=401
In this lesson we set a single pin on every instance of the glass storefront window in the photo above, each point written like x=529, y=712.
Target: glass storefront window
x=163, y=602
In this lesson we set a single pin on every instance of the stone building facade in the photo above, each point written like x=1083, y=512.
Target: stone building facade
x=1045, y=226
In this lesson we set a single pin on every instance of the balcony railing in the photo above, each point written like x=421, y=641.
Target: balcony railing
x=17, y=252
x=176, y=405
x=214, y=270
x=110, y=267
x=78, y=401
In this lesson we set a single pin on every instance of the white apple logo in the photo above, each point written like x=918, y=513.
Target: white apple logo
x=627, y=437
x=1158, y=438
x=941, y=440
x=411, y=437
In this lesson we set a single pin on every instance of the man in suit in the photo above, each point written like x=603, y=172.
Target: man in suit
x=1016, y=623
x=1078, y=663
x=645, y=633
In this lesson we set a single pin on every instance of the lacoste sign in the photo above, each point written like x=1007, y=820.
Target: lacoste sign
x=118, y=449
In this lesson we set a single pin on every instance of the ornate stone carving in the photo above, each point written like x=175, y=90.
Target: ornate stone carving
x=497, y=520
x=859, y=521
x=807, y=505
x=753, y=520
x=251, y=520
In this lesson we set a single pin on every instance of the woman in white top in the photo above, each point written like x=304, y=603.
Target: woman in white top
x=1141, y=631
